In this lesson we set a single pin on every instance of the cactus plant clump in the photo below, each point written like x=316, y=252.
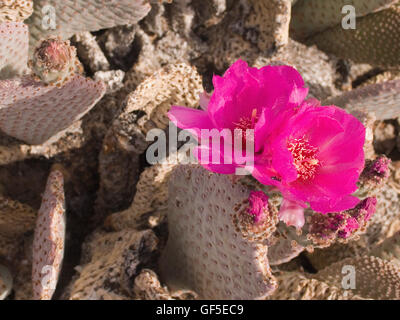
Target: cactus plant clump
x=110, y=115
x=320, y=231
x=34, y=111
x=211, y=217
x=145, y=109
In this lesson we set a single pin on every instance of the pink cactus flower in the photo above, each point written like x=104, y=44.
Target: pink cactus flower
x=313, y=154
x=244, y=98
x=317, y=158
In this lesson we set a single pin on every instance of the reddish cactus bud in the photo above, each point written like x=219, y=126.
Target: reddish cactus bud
x=55, y=61
x=343, y=225
x=256, y=218
x=374, y=176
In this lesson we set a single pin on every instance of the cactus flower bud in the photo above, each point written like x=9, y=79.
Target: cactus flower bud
x=374, y=176
x=55, y=62
x=256, y=218
x=342, y=225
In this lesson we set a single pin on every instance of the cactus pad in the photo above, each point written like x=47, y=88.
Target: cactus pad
x=13, y=49
x=210, y=252
x=313, y=16
x=383, y=99
x=33, y=112
x=374, y=278
x=74, y=16
x=376, y=39
x=48, y=244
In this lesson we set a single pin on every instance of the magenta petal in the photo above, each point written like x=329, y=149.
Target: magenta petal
x=324, y=130
x=242, y=90
x=312, y=102
x=190, y=119
x=206, y=157
x=298, y=95
x=291, y=74
x=347, y=147
x=260, y=131
x=292, y=213
x=282, y=162
x=342, y=150
x=263, y=174
x=327, y=205
x=237, y=70
x=337, y=182
x=221, y=168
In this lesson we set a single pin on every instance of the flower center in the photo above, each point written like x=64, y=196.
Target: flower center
x=246, y=123
x=304, y=156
